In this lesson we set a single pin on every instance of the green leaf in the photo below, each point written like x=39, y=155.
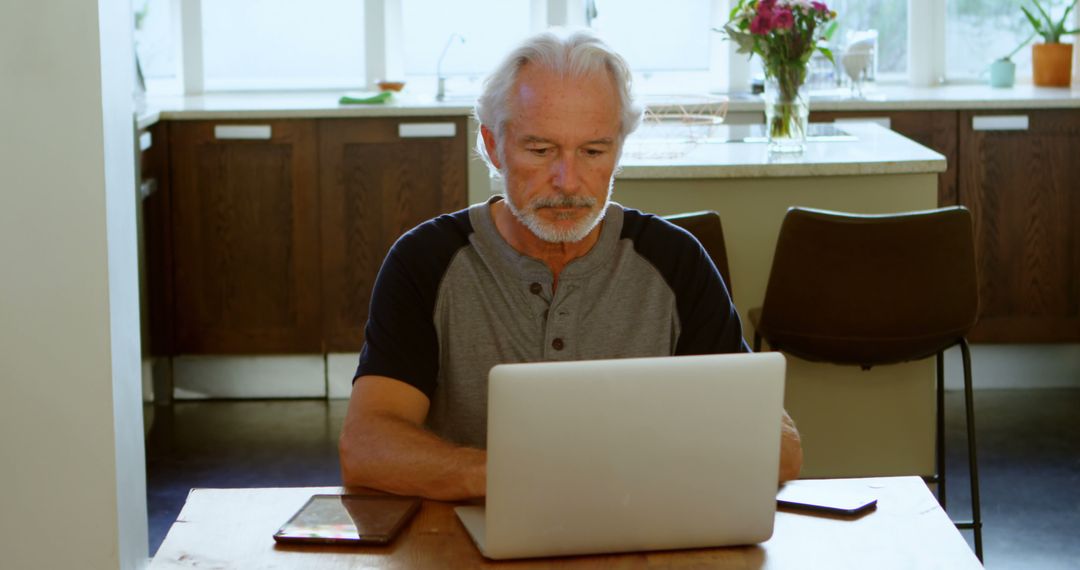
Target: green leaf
x=736, y=9
x=1045, y=16
x=1034, y=22
x=1065, y=18
x=827, y=53
x=829, y=31
x=1022, y=44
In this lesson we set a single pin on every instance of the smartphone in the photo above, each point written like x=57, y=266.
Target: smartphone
x=348, y=519
x=813, y=497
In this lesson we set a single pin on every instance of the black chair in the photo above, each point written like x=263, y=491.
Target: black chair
x=706, y=227
x=872, y=290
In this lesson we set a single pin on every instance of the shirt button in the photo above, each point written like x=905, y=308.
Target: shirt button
x=557, y=344
x=535, y=288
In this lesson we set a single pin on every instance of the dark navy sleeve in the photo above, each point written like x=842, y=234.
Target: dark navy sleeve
x=400, y=340
x=709, y=323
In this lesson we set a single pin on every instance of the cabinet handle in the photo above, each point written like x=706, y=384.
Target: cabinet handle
x=147, y=188
x=242, y=132
x=883, y=121
x=426, y=130
x=1000, y=123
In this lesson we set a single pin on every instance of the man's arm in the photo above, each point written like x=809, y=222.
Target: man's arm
x=791, y=456
x=384, y=446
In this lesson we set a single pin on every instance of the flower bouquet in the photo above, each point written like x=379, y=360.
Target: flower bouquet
x=784, y=33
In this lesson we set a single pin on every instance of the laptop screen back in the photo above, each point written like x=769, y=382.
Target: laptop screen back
x=632, y=454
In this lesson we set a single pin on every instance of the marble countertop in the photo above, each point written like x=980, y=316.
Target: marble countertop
x=871, y=150
x=952, y=97
x=292, y=105
x=318, y=104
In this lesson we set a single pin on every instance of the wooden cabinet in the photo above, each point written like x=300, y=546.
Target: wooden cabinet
x=272, y=245
x=277, y=229
x=933, y=129
x=376, y=185
x=1020, y=177
x=245, y=237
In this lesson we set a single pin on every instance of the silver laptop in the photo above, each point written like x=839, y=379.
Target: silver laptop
x=630, y=455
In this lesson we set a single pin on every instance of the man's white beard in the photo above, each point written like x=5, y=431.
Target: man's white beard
x=530, y=219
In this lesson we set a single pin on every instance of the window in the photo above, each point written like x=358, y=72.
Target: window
x=475, y=34
x=980, y=31
x=635, y=28
x=669, y=47
x=282, y=44
x=889, y=18
x=155, y=43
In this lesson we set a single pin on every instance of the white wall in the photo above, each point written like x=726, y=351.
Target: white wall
x=70, y=411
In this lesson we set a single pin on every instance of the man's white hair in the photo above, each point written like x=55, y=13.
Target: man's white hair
x=570, y=53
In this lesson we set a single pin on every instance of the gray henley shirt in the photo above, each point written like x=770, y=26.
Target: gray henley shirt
x=453, y=299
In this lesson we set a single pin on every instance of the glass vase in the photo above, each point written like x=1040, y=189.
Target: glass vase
x=787, y=112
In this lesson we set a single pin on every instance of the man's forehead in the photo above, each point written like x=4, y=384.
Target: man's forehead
x=543, y=98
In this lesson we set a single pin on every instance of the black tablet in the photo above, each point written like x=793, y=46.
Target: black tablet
x=808, y=496
x=348, y=519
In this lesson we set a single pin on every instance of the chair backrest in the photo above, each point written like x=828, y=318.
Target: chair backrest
x=871, y=289
x=706, y=227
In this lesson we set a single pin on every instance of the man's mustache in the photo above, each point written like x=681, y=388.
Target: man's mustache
x=563, y=202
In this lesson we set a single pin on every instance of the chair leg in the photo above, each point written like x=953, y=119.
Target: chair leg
x=757, y=341
x=939, y=460
x=969, y=404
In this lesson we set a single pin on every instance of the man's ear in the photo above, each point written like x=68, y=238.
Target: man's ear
x=491, y=146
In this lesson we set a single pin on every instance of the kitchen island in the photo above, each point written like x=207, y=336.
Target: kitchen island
x=867, y=169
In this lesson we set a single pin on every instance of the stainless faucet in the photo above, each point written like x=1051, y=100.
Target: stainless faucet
x=440, y=94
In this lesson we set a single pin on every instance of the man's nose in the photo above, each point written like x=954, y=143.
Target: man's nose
x=565, y=172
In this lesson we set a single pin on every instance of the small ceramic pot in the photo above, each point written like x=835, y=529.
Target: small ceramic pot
x=1002, y=73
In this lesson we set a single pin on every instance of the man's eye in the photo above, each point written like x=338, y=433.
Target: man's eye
x=594, y=152
x=540, y=151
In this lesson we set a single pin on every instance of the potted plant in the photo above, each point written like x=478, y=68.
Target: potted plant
x=1051, y=60
x=784, y=33
x=1003, y=71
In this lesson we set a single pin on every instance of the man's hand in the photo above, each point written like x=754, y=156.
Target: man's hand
x=791, y=456
x=384, y=446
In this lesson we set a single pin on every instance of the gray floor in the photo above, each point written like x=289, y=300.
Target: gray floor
x=1028, y=442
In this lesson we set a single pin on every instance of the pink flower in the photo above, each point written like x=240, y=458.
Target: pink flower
x=820, y=7
x=765, y=6
x=782, y=19
x=760, y=25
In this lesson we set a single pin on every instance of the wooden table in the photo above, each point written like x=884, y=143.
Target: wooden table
x=233, y=528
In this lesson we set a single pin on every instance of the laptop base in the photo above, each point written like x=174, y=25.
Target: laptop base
x=472, y=518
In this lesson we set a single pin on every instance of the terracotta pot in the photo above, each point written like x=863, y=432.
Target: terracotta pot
x=1052, y=64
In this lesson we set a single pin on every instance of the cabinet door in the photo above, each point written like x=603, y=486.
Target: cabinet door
x=246, y=242
x=376, y=185
x=933, y=129
x=1020, y=177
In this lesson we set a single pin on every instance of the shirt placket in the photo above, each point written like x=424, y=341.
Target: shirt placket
x=558, y=324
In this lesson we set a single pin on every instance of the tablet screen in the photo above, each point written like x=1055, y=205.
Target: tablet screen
x=355, y=519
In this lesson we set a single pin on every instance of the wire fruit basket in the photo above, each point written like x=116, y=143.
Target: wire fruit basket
x=674, y=124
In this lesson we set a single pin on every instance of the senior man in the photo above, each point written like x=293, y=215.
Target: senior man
x=551, y=270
